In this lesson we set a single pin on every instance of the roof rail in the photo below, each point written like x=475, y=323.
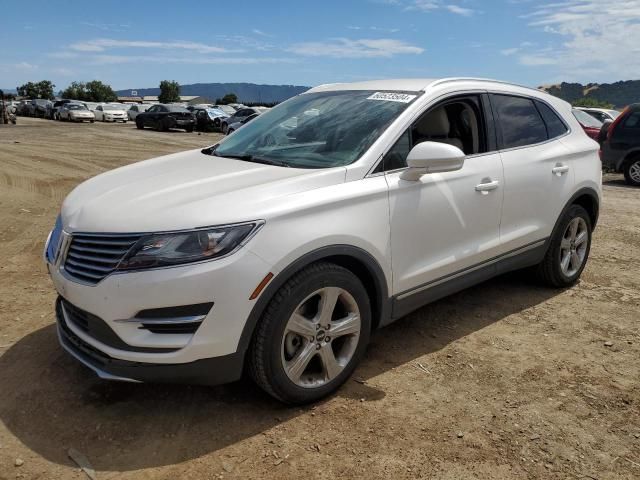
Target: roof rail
x=478, y=79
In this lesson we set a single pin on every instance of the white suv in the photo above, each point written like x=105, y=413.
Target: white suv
x=337, y=212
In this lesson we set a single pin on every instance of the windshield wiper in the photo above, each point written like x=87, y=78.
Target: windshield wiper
x=254, y=159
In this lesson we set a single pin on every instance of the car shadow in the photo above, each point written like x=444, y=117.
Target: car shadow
x=51, y=403
x=618, y=182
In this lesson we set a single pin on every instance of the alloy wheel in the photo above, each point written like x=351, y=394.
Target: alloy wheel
x=573, y=247
x=320, y=337
x=634, y=171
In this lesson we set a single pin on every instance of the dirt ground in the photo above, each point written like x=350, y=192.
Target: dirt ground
x=505, y=380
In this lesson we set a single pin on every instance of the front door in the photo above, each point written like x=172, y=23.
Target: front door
x=445, y=225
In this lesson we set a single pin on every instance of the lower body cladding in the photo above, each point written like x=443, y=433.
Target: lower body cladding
x=179, y=325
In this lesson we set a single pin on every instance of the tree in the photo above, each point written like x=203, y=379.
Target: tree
x=75, y=91
x=41, y=89
x=169, y=91
x=591, y=102
x=100, y=92
x=227, y=99
x=93, y=91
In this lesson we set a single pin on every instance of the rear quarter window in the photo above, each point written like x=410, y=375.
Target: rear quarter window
x=555, y=126
x=633, y=121
x=518, y=121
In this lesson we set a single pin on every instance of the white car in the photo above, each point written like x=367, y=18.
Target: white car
x=111, y=113
x=134, y=110
x=281, y=253
x=602, y=114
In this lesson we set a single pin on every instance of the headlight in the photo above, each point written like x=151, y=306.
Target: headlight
x=167, y=249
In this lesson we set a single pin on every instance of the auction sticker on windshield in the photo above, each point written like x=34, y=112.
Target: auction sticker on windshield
x=392, y=97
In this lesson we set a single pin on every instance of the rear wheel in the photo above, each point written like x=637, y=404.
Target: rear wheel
x=189, y=129
x=569, y=249
x=312, y=335
x=632, y=172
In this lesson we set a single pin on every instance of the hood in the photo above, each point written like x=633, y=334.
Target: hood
x=185, y=190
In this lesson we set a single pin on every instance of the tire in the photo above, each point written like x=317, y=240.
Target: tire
x=91, y=121
x=225, y=128
x=188, y=129
x=276, y=350
x=230, y=131
x=632, y=172
x=139, y=125
x=566, y=248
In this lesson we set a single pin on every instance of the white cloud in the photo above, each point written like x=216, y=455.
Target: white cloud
x=103, y=59
x=597, y=38
x=509, y=51
x=465, y=12
x=433, y=5
x=362, y=48
x=102, y=44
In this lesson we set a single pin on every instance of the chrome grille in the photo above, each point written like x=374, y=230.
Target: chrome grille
x=90, y=258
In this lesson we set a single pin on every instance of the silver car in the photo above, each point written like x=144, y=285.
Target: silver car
x=75, y=112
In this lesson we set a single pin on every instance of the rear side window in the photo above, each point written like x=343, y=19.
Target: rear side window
x=632, y=121
x=555, y=126
x=518, y=121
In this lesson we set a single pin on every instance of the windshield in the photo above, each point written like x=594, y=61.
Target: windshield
x=614, y=113
x=586, y=120
x=76, y=107
x=226, y=109
x=112, y=107
x=317, y=130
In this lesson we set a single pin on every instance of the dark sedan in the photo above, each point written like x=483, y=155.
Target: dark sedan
x=165, y=117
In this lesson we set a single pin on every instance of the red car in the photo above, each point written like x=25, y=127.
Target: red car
x=590, y=125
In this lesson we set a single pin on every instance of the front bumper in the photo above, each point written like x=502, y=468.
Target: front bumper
x=226, y=283
x=210, y=371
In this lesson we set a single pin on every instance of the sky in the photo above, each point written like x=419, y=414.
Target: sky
x=135, y=44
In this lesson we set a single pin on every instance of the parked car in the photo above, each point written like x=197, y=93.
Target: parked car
x=39, y=107
x=164, y=117
x=111, y=113
x=621, y=144
x=208, y=119
x=75, y=112
x=238, y=117
x=134, y=110
x=228, y=109
x=279, y=254
x=53, y=109
x=22, y=109
x=589, y=124
x=91, y=105
x=601, y=114
x=235, y=126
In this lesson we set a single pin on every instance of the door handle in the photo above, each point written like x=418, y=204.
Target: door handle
x=485, y=188
x=560, y=170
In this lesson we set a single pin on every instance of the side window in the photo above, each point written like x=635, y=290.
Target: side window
x=632, y=121
x=555, y=126
x=99, y=108
x=518, y=121
x=457, y=121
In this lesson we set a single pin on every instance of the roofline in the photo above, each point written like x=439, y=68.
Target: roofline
x=444, y=80
x=480, y=79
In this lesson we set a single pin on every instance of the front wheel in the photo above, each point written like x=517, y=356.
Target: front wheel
x=139, y=125
x=632, y=172
x=225, y=128
x=312, y=335
x=188, y=129
x=569, y=249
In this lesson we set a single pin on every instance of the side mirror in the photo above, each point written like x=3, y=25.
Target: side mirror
x=432, y=157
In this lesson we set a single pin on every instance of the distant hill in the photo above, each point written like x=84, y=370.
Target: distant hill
x=246, y=92
x=620, y=94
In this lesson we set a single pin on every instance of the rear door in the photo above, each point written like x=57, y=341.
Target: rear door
x=538, y=169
